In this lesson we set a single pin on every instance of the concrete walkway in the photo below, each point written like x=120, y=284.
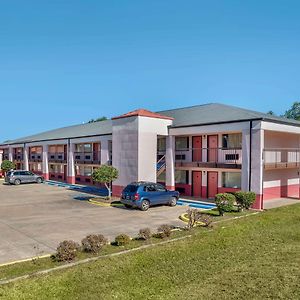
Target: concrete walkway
x=268, y=204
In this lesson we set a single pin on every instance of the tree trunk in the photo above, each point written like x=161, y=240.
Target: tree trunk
x=108, y=189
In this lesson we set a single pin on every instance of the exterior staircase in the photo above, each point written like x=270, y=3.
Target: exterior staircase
x=161, y=165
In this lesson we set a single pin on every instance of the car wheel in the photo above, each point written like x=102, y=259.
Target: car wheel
x=17, y=182
x=39, y=180
x=145, y=205
x=127, y=205
x=173, y=201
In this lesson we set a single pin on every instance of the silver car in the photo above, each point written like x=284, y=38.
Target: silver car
x=17, y=177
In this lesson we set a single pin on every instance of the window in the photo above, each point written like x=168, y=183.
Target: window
x=131, y=188
x=161, y=144
x=87, y=148
x=150, y=188
x=160, y=188
x=231, y=180
x=182, y=143
x=233, y=140
x=78, y=148
x=182, y=176
x=87, y=171
x=83, y=148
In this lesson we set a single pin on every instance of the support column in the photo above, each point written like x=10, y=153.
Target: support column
x=104, y=152
x=170, y=162
x=10, y=154
x=26, y=158
x=246, y=159
x=1, y=159
x=45, y=166
x=257, y=166
x=71, y=164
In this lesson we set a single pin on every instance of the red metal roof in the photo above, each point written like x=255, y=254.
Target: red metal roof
x=143, y=113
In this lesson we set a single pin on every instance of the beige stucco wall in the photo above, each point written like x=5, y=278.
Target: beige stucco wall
x=135, y=147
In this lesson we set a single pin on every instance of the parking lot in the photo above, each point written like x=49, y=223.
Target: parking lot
x=35, y=218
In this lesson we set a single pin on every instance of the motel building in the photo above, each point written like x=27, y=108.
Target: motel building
x=199, y=151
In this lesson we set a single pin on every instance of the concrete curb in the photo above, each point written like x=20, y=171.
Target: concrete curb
x=91, y=259
x=24, y=260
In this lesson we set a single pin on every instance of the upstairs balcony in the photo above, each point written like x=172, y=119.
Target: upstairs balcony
x=209, y=158
x=18, y=156
x=35, y=157
x=5, y=156
x=90, y=158
x=58, y=157
x=281, y=158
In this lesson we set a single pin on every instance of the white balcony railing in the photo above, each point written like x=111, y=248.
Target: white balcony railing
x=281, y=157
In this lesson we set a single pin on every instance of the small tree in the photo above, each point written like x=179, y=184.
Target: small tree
x=7, y=165
x=106, y=175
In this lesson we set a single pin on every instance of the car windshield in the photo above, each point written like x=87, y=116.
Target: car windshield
x=131, y=188
x=8, y=173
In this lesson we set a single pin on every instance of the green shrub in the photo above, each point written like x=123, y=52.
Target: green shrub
x=145, y=234
x=224, y=202
x=164, y=231
x=66, y=251
x=245, y=199
x=93, y=243
x=122, y=239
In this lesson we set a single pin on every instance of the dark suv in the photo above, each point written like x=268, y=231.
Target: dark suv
x=146, y=194
x=20, y=176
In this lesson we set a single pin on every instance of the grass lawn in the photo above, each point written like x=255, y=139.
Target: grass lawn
x=256, y=257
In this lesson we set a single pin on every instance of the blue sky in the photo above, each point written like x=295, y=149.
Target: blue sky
x=64, y=62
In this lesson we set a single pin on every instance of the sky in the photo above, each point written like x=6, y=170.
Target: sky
x=63, y=62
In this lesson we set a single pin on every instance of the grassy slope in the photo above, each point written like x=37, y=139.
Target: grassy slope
x=251, y=258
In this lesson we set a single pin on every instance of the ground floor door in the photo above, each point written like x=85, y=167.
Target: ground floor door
x=212, y=184
x=197, y=183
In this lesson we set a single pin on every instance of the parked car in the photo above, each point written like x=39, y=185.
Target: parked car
x=145, y=194
x=17, y=177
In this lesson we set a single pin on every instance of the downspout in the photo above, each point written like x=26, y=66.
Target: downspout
x=250, y=156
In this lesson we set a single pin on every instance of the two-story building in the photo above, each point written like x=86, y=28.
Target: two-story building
x=200, y=151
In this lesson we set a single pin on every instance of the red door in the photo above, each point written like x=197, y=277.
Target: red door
x=65, y=172
x=197, y=148
x=212, y=145
x=96, y=148
x=212, y=184
x=197, y=183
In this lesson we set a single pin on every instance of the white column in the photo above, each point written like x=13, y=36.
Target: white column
x=71, y=163
x=10, y=153
x=1, y=159
x=104, y=148
x=26, y=158
x=170, y=162
x=245, y=159
x=257, y=166
x=45, y=166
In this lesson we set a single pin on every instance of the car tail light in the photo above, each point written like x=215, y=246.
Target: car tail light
x=136, y=196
